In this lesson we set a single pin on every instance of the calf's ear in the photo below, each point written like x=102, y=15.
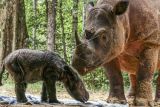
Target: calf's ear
x=90, y=6
x=121, y=7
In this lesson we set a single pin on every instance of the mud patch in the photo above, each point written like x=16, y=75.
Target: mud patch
x=32, y=100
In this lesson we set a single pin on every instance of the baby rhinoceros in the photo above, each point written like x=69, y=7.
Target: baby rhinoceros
x=30, y=66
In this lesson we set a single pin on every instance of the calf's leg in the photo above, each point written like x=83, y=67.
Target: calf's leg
x=20, y=89
x=51, y=90
x=116, y=94
x=147, y=65
x=44, y=93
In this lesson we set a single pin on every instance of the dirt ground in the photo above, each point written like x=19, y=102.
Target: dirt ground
x=97, y=98
x=61, y=95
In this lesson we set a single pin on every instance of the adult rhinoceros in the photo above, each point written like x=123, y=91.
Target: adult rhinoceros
x=123, y=35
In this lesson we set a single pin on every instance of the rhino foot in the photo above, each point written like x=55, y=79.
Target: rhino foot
x=157, y=101
x=131, y=93
x=23, y=100
x=116, y=100
x=143, y=102
x=55, y=101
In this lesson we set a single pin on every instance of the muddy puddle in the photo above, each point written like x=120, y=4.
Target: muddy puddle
x=35, y=102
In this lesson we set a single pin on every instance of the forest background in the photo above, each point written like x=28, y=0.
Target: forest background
x=47, y=25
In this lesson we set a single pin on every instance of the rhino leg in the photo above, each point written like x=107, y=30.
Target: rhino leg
x=44, y=93
x=132, y=88
x=1, y=74
x=148, y=62
x=51, y=90
x=157, y=97
x=116, y=94
x=20, y=89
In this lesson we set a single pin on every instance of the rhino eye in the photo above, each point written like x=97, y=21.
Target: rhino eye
x=88, y=34
x=104, y=37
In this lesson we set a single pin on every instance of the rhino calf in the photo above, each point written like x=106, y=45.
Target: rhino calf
x=30, y=66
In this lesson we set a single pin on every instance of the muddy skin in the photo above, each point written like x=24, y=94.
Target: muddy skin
x=157, y=97
x=117, y=30
x=30, y=66
x=83, y=59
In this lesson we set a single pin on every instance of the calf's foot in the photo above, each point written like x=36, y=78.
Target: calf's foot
x=54, y=101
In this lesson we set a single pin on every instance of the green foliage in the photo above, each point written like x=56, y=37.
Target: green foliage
x=39, y=21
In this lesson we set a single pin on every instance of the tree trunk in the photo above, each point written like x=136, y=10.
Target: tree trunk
x=20, y=28
x=6, y=23
x=84, y=14
x=63, y=34
x=13, y=27
x=51, y=30
x=35, y=24
x=75, y=17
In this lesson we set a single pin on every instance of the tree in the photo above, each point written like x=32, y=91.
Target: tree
x=20, y=34
x=13, y=30
x=84, y=13
x=75, y=17
x=63, y=33
x=51, y=29
x=35, y=24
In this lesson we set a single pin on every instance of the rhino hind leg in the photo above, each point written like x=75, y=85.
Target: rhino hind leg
x=20, y=89
x=157, y=97
x=1, y=74
x=116, y=94
x=132, y=88
x=15, y=71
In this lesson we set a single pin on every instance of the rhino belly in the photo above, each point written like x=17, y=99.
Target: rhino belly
x=128, y=63
x=33, y=76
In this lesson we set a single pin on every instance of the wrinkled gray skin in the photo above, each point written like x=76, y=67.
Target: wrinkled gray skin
x=124, y=36
x=30, y=66
x=83, y=59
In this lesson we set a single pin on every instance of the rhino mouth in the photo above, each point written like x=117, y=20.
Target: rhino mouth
x=82, y=98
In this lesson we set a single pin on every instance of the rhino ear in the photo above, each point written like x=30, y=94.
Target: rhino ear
x=121, y=7
x=90, y=6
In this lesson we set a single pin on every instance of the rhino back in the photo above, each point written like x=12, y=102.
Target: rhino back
x=31, y=63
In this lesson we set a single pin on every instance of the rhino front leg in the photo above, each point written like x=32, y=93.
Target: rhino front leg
x=157, y=97
x=51, y=90
x=147, y=65
x=20, y=89
x=116, y=94
x=44, y=93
